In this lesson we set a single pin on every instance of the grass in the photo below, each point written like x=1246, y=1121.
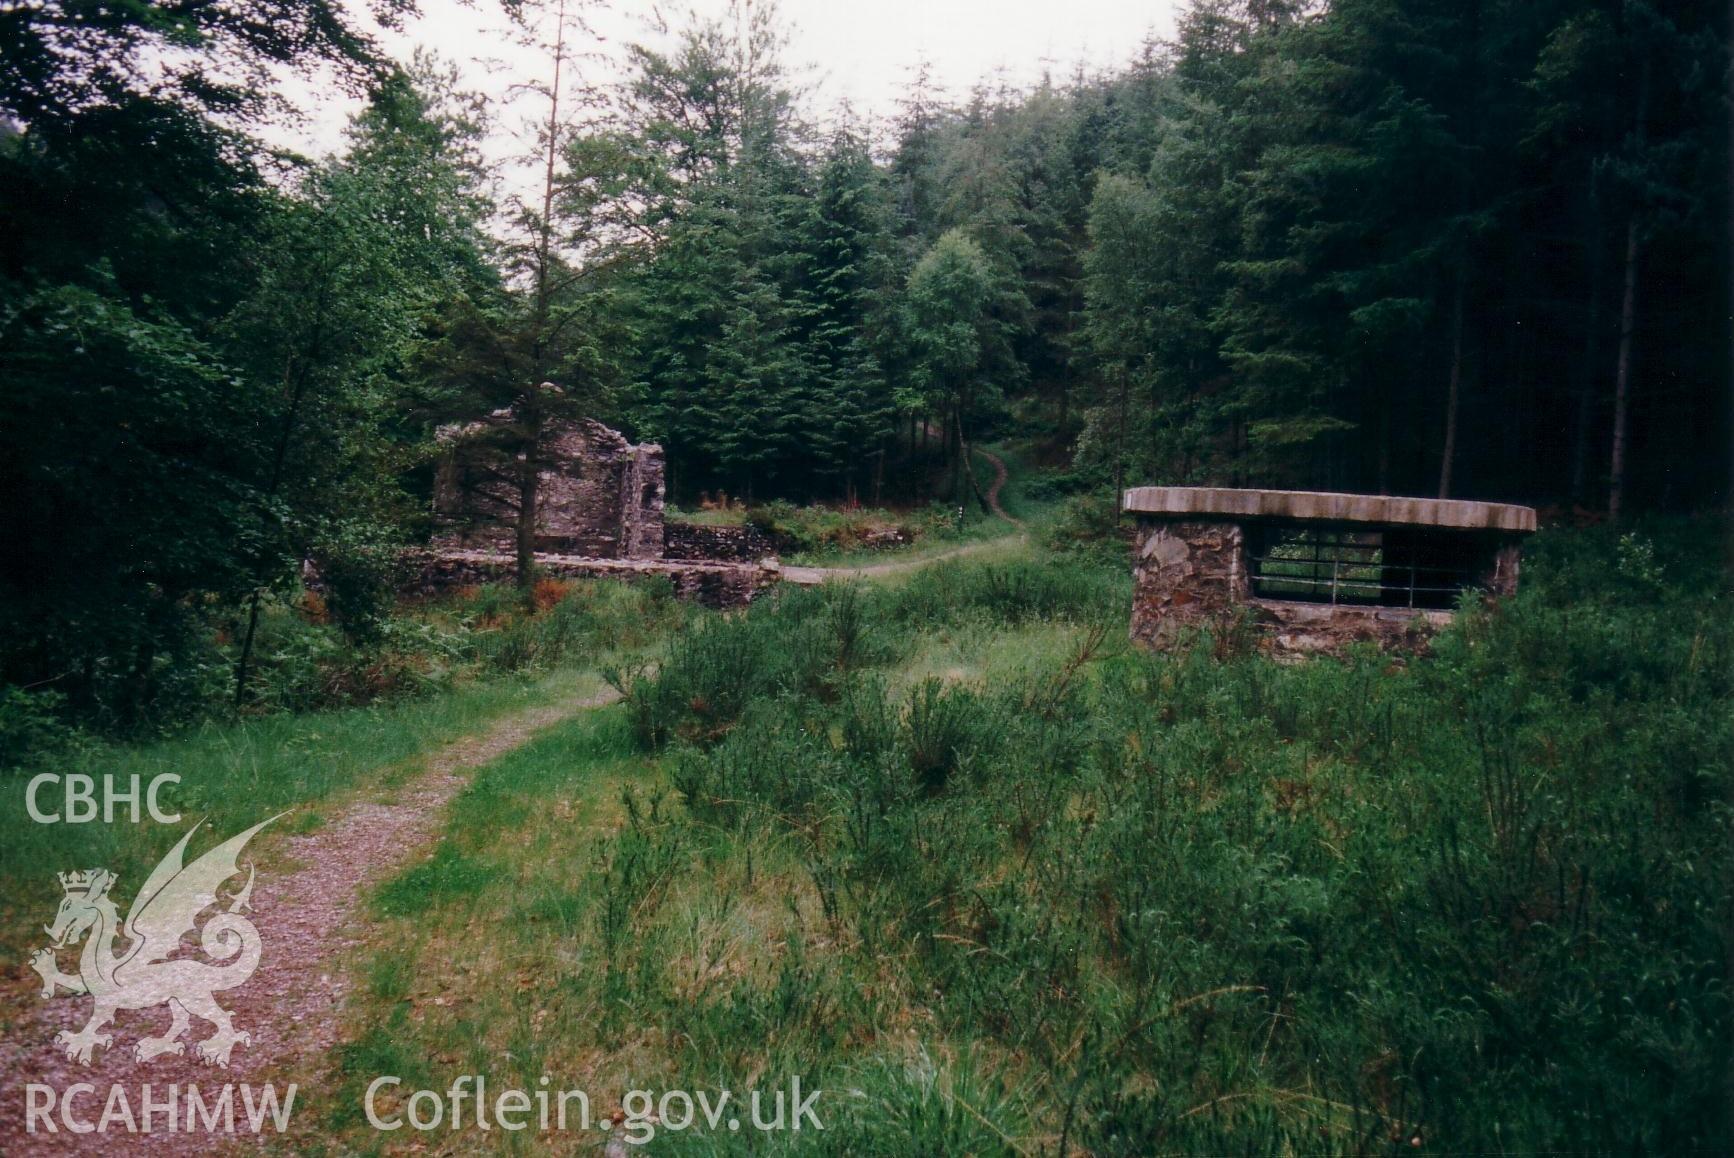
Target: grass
x=827, y=536
x=945, y=534
x=947, y=850
x=474, y=953
x=231, y=776
x=236, y=772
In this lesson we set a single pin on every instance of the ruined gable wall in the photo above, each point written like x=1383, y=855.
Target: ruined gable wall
x=642, y=498
x=599, y=496
x=578, y=511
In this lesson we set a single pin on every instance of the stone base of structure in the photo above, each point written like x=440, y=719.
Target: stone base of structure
x=1320, y=629
x=713, y=584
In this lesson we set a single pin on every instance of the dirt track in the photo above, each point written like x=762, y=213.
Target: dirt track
x=308, y=918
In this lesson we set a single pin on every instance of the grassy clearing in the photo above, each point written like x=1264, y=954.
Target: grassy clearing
x=945, y=850
x=942, y=532
x=478, y=953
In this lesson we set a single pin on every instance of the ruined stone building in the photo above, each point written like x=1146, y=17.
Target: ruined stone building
x=1312, y=571
x=599, y=496
x=599, y=513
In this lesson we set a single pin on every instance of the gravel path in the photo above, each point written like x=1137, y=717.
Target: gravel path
x=307, y=918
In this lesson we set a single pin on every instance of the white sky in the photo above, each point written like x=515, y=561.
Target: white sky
x=848, y=50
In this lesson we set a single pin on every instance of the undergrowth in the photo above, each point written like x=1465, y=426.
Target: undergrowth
x=1201, y=901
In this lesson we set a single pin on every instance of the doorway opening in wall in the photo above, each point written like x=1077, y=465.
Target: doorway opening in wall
x=1386, y=567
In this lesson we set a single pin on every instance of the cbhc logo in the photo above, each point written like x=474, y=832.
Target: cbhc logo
x=79, y=798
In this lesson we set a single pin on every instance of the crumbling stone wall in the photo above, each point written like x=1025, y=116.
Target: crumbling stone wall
x=745, y=544
x=598, y=496
x=1289, y=628
x=713, y=584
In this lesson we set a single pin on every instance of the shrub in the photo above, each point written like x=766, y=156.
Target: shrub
x=356, y=568
x=803, y=641
x=1208, y=902
x=32, y=727
x=1090, y=526
x=945, y=729
x=1009, y=593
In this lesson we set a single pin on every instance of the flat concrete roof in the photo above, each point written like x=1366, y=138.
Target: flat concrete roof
x=1328, y=507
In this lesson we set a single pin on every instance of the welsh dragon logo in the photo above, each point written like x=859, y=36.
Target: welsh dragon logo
x=165, y=909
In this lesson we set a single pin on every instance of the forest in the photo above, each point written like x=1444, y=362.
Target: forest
x=1435, y=248
x=933, y=834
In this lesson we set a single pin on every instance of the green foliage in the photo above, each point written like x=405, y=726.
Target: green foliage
x=1091, y=526
x=763, y=318
x=945, y=728
x=64, y=58
x=928, y=1106
x=1201, y=904
x=1299, y=264
x=957, y=593
x=949, y=294
x=799, y=641
x=32, y=727
x=197, y=400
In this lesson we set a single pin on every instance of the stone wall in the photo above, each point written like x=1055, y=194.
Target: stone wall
x=1186, y=575
x=599, y=513
x=745, y=544
x=720, y=585
x=642, y=499
x=1290, y=628
x=598, y=495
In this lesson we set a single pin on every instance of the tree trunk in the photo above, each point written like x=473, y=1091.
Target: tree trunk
x=1382, y=466
x=1120, y=450
x=244, y=665
x=529, y=495
x=1454, y=390
x=530, y=468
x=1728, y=495
x=1623, y=372
x=1586, y=395
x=969, y=471
x=1628, y=317
x=953, y=438
x=296, y=379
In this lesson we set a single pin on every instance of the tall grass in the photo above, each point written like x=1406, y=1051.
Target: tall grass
x=1090, y=899
x=1477, y=901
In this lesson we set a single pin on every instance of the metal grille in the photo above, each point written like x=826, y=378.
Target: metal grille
x=1381, y=568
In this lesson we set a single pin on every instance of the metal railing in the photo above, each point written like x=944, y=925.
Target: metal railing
x=1356, y=567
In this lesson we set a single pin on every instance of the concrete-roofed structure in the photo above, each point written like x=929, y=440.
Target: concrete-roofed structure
x=1315, y=571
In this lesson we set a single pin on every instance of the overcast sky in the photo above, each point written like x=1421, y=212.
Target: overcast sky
x=858, y=51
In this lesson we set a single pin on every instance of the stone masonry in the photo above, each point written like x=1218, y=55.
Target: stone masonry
x=713, y=584
x=599, y=496
x=599, y=513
